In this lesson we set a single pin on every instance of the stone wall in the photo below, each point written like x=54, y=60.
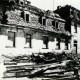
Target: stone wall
x=36, y=42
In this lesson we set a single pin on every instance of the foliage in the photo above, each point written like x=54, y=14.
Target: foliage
x=50, y=57
x=5, y=5
x=71, y=65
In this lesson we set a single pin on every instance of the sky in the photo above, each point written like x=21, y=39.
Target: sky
x=52, y=4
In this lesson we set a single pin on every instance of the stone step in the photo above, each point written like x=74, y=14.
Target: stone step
x=16, y=74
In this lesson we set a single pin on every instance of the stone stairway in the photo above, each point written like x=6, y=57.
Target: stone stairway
x=32, y=70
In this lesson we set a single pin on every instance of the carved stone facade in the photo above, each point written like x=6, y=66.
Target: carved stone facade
x=32, y=30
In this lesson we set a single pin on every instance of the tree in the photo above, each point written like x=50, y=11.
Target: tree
x=6, y=5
